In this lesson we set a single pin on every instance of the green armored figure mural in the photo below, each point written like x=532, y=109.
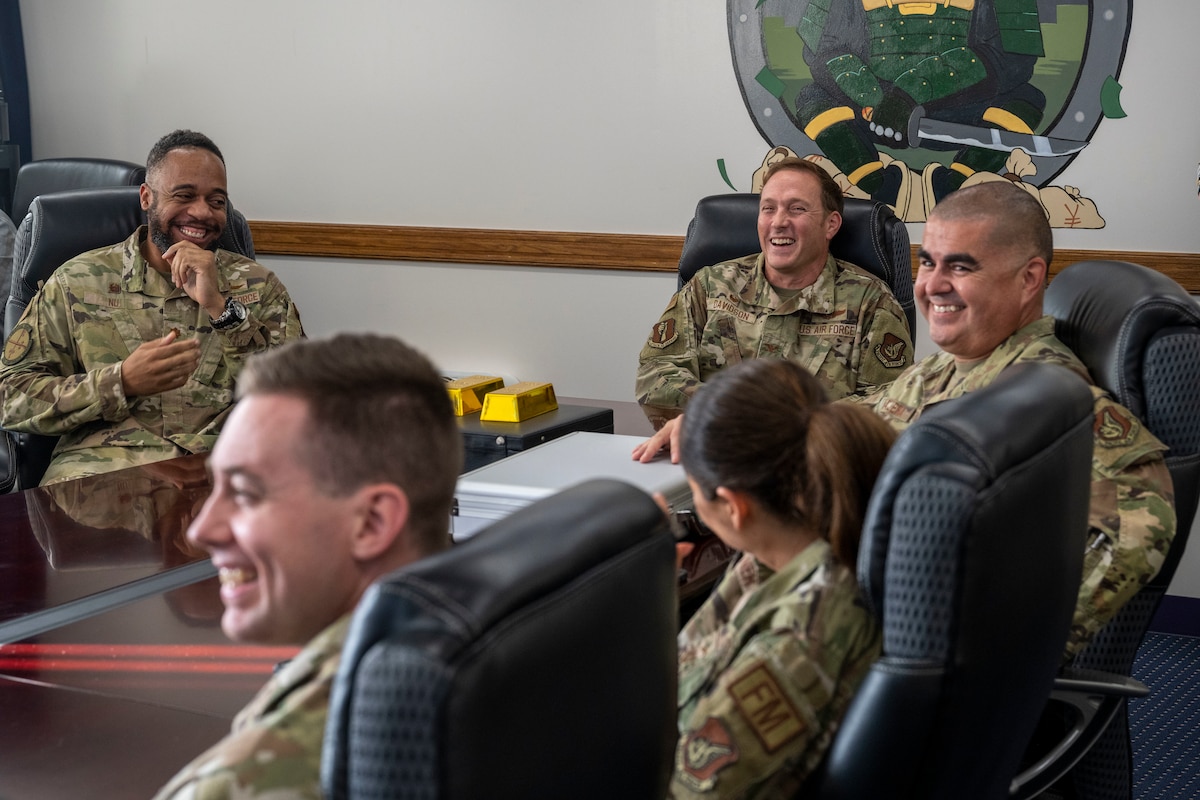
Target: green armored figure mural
x=937, y=75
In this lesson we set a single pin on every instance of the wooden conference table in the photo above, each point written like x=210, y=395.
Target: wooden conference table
x=114, y=672
x=113, y=668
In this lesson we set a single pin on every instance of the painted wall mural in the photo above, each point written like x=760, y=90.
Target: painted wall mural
x=906, y=101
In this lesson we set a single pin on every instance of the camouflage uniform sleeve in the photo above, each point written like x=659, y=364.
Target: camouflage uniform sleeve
x=770, y=716
x=43, y=388
x=887, y=348
x=669, y=365
x=274, y=750
x=270, y=321
x=1131, y=520
x=240, y=768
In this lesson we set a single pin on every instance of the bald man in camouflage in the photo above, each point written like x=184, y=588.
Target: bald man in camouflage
x=981, y=276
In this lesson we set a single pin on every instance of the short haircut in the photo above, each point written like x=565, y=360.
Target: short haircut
x=1016, y=216
x=378, y=411
x=180, y=140
x=831, y=193
x=766, y=427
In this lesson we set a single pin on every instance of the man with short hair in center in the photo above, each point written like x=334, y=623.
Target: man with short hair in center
x=791, y=301
x=338, y=465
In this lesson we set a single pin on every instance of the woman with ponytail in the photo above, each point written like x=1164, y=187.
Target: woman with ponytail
x=769, y=663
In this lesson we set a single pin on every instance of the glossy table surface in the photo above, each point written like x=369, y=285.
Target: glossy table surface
x=114, y=671
x=81, y=547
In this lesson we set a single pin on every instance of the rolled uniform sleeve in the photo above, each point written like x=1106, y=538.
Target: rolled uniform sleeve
x=669, y=365
x=271, y=317
x=43, y=389
x=886, y=346
x=1131, y=519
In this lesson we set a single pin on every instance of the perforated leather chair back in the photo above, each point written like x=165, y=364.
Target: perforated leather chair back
x=537, y=659
x=58, y=227
x=63, y=174
x=1138, y=332
x=725, y=227
x=972, y=568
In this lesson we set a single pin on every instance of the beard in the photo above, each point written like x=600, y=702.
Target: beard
x=160, y=232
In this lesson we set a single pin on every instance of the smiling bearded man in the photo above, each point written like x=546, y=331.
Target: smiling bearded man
x=129, y=352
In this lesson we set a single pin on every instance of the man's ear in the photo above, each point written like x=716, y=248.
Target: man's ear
x=144, y=194
x=1033, y=279
x=383, y=511
x=833, y=224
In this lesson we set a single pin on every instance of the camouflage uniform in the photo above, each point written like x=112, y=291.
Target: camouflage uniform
x=846, y=328
x=767, y=668
x=61, y=373
x=274, y=748
x=1132, y=517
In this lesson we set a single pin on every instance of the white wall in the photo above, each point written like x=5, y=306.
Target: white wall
x=527, y=114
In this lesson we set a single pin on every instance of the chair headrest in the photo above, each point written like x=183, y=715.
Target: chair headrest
x=1108, y=311
x=62, y=174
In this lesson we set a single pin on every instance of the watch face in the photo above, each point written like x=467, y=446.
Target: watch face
x=235, y=314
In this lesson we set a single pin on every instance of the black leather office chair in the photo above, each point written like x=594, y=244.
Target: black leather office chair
x=58, y=227
x=63, y=174
x=537, y=659
x=57, y=175
x=967, y=561
x=1138, y=332
x=725, y=227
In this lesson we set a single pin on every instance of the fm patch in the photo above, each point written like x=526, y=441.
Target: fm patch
x=114, y=288
x=1112, y=428
x=18, y=344
x=890, y=351
x=247, y=298
x=663, y=334
x=705, y=752
x=766, y=708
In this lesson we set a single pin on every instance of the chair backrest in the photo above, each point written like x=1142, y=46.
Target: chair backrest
x=536, y=659
x=1138, y=332
x=62, y=174
x=58, y=227
x=57, y=175
x=725, y=227
x=972, y=568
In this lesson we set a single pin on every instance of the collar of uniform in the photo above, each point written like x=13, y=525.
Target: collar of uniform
x=136, y=269
x=819, y=297
x=795, y=571
x=1040, y=328
x=298, y=671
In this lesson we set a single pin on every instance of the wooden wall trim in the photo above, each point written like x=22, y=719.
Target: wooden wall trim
x=618, y=251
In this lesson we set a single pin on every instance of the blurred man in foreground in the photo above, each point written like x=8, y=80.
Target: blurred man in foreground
x=338, y=465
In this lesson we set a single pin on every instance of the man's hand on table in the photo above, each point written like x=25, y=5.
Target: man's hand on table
x=667, y=436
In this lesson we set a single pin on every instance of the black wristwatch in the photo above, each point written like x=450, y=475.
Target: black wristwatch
x=233, y=315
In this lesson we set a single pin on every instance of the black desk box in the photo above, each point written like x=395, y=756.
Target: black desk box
x=486, y=442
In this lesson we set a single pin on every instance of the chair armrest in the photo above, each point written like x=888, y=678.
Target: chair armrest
x=8, y=463
x=1087, y=700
